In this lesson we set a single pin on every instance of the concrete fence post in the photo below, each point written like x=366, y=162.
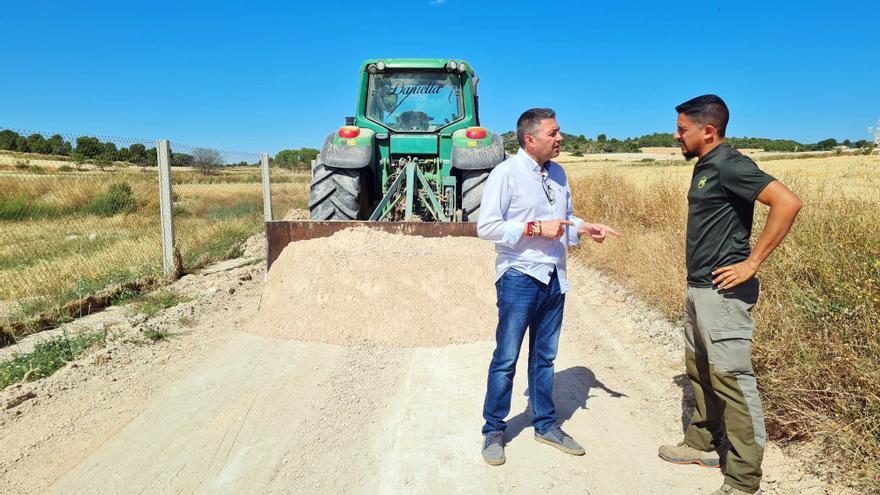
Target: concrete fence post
x=163, y=152
x=267, y=190
x=267, y=208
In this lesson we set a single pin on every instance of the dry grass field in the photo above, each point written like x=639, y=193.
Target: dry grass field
x=851, y=175
x=66, y=235
x=817, y=348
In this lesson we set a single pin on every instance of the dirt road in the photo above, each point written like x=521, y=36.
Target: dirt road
x=223, y=409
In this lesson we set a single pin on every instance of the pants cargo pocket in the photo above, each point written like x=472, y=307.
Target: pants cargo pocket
x=730, y=350
x=731, y=337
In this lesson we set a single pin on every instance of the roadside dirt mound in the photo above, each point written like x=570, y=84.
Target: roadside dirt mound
x=363, y=286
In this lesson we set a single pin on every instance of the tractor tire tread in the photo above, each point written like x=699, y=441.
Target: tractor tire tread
x=334, y=193
x=472, y=182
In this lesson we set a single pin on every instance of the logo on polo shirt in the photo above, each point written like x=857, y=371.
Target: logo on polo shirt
x=702, y=182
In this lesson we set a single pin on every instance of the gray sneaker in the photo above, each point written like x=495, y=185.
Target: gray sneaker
x=493, y=448
x=561, y=440
x=729, y=490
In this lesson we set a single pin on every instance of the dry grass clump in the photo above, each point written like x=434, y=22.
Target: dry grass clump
x=31, y=197
x=649, y=257
x=817, y=348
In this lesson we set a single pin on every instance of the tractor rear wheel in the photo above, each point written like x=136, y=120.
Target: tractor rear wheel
x=472, y=182
x=335, y=193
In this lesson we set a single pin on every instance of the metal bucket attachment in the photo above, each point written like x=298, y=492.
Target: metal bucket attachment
x=280, y=233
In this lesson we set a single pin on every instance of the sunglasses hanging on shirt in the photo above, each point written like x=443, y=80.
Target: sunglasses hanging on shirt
x=548, y=191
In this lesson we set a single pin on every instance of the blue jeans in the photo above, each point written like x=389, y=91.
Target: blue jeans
x=524, y=302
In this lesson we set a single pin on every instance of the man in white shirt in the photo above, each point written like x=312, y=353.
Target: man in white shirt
x=526, y=211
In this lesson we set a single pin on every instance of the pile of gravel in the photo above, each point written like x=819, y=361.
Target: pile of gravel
x=362, y=286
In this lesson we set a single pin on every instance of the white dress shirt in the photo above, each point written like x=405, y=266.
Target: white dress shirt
x=513, y=195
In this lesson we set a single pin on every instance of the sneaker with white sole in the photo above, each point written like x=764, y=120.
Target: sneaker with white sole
x=493, y=448
x=561, y=440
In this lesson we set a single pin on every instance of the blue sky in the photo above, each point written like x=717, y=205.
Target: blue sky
x=263, y=76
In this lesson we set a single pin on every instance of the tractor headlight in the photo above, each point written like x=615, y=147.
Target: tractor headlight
x=380, y=65
x=451, y=65
x=462, y=67
x=372, y=69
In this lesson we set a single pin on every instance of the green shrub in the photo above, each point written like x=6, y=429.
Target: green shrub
x=24, y=207
x=155, y=302
x=48, y=356
x=118, y=198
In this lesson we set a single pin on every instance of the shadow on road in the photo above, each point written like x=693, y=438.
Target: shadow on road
x=687, y=399
x=571, y=390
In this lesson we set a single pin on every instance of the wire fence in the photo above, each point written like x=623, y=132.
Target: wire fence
x=80, y=224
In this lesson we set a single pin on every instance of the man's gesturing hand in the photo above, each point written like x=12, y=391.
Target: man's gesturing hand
x=597, y=231
x=553, y=229
x=733, y=275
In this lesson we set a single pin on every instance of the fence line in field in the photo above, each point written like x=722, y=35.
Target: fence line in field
x=79, y=231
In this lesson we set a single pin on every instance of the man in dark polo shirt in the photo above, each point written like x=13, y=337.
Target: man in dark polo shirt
x=722, y=289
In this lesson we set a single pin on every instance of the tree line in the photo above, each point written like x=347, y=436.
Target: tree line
x=601, y=144
x=87, y=148
x=300, y=159
x=92, y=149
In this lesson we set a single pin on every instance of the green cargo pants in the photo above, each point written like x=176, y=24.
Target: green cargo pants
x=718, y=351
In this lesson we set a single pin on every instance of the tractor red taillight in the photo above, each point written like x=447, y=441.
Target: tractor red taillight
x=475, y=133
x=349, y=131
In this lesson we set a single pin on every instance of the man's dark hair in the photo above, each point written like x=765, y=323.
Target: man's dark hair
x=707, y=109
x=530, y=122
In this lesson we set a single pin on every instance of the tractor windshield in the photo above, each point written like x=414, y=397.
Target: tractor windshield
x=415, y=101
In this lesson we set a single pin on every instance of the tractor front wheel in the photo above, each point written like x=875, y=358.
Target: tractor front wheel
x=472, y=182
x=335, y=193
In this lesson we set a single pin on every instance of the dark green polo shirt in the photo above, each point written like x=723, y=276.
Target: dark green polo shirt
x=721, y=204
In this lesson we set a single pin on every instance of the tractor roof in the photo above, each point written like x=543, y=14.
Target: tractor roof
x=415, y=63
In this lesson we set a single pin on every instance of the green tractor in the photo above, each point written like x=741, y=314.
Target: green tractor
x=414, y=150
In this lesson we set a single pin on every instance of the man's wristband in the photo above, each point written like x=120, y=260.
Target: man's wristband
x=534, y=229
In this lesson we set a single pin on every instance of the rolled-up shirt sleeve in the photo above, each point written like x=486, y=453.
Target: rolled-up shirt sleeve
x=571, y=232
x=492, y=224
